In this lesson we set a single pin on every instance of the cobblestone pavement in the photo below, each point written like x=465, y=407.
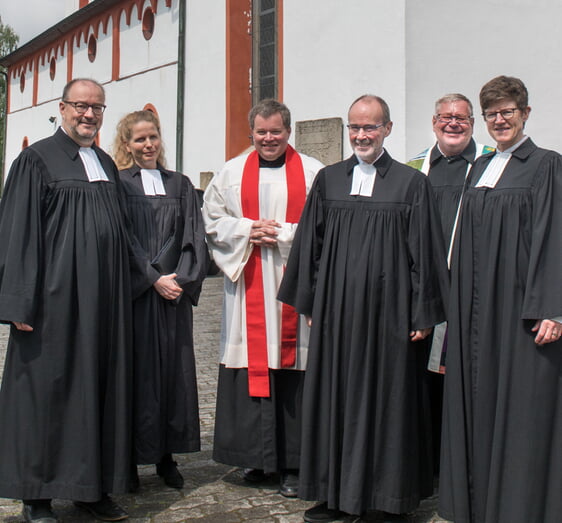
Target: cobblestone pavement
x=213, y=493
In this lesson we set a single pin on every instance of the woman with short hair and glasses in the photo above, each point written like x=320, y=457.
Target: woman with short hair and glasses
x=501, y=459
x=166, y=218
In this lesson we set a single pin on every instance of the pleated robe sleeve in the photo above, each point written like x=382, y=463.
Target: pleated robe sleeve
x=299, y=281
x=21, y=239
x=228, y=232
x=429, y=274
x=194, y=259
x=543, y=288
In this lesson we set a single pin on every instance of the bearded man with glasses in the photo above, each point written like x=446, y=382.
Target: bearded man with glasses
x=65, y=403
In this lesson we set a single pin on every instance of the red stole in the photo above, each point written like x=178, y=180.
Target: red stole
x=258, y=368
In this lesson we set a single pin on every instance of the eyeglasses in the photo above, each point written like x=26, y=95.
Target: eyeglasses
x=368, y=129
x=82, y=108
x=450, y=118
x=506, y=114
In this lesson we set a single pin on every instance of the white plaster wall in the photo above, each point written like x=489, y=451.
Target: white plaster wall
x=157, y=87
x=122, y=97
x=205, y=98
x=335, y=51
x=139, y=54
x=153, y=82
x=100, y=68
x=19, y=99
x=52, y=89
x=406, y=51
x=455, y=46
x=34, y=124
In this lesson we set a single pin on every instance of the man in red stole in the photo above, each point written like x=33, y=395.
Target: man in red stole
x=251, y=210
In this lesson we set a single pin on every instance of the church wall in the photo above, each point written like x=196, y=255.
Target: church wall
x=412, y=52
x=455, y=46
x=131, y=94
x=100, y=67
x=33, y=124
x=49, y=89
x=147, y=75
x=21, y=99
x=139, y=54
x=406, y=51
x=205, y=98
x=322, y=74
x=332, y=55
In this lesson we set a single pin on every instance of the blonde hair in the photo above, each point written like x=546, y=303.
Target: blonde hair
x=122, y=157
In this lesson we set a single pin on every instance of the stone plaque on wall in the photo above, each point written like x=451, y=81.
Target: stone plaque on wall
x=322, y=139
x=205, y=179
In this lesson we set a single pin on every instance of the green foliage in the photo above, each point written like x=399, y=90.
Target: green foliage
x=8, y=39
x=8, y=43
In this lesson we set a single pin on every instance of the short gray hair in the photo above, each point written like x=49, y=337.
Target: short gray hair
x=69, y=85
x=453, y=97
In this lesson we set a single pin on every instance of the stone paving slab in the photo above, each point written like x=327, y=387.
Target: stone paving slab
x=213, y=493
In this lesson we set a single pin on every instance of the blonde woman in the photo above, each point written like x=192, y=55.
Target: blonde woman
x=166, y=219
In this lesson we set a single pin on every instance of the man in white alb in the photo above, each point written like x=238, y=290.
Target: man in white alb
x=251, y=210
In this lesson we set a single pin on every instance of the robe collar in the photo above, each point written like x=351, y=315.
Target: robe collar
x=279, y=162
x=135, y=170
x=69, y=146
x=524, y=150
x=468, y=154
x=382, y=164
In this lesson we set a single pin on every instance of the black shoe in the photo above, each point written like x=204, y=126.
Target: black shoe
x=104, y=509
x=289, y=483
x=168, y=471
x=387, y=517
x=255, y=475
x=39, y=513
x=321, y=513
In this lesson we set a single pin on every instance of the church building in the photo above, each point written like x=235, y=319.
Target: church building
x=201, y=64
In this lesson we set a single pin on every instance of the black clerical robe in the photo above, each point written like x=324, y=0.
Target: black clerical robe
x=65, y=401
x=368, y=270
x=501, y=459
x=166, y=410
x=447, y=177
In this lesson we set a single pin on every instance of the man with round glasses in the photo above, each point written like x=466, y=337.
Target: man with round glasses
x=65, y=403
x=447, y=164
x=368, y=267
x=82, y=108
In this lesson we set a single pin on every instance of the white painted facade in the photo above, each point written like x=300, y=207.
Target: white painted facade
x=335, y=52
x=454, y=45
x=410, y=52
x=205, y=81
x=147, y=75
